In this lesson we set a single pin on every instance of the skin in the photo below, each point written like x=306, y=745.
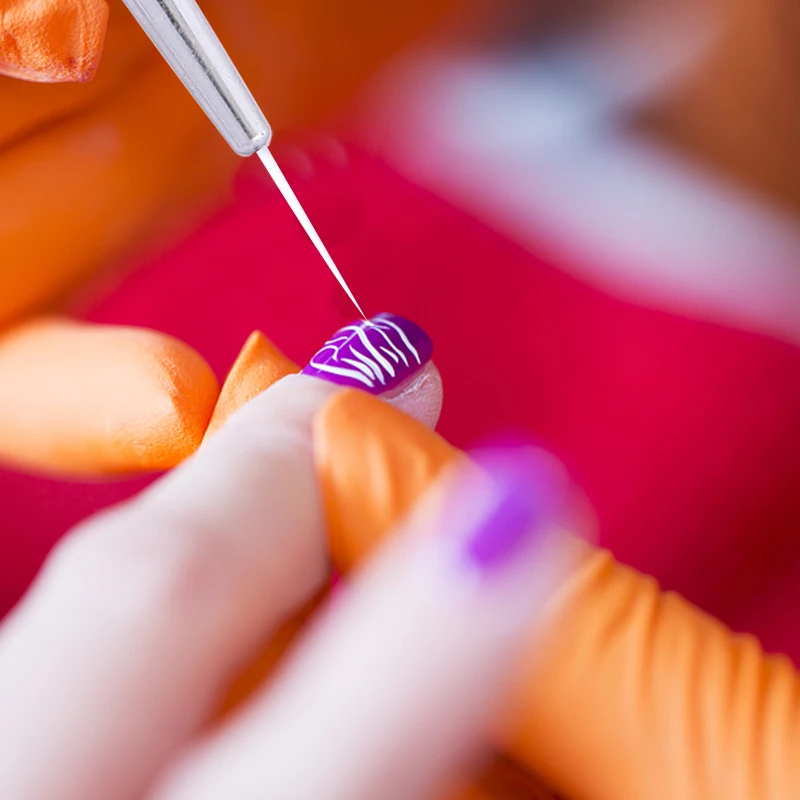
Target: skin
x=149, y=624
x=158, y=622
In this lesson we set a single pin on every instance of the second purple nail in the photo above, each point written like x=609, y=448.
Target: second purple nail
x=375, y=356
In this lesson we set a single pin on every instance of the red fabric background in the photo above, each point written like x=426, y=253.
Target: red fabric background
x=685, y=435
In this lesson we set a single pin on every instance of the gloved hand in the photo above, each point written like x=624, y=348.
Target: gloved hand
x=110, y=665
x=87, y=179
x=634, y=693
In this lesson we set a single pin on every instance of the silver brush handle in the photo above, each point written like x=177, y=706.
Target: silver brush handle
x=182, y=34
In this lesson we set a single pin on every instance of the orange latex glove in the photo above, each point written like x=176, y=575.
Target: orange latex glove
x=635, y=694
x=632, y=694
x=86, y=178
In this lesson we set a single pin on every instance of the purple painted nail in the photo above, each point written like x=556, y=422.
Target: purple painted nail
x=527, y=490
x=375, y=356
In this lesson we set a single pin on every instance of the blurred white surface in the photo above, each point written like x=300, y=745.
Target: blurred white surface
x=540, y=147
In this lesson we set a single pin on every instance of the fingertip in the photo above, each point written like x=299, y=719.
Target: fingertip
x=387, y=356
x=373, y=463
x=53, y=41
x=258, y=366
x=421, y=396
x=90, y=400
x=186, y=391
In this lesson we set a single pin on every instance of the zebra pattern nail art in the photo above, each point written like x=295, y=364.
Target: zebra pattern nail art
x=375, y=356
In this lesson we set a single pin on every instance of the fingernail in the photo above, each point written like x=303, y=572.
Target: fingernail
x=525, y=489
x=376, y=356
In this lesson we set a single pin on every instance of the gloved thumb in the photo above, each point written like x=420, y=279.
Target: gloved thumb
x=51, y=41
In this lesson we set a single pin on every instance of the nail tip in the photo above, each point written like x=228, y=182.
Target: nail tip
x=375, y=355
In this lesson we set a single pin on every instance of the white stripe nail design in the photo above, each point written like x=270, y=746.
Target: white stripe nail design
x=369, y=353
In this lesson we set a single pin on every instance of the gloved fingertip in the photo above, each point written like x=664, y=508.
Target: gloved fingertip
x=258, y=366
x=52, y=41
x=373, y=463
x=95, y=400
x=192, y=390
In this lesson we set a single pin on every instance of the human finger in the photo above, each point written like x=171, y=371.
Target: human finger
x=415, y=388
x=403, y=374
x=144, y=614
x=631, y=692
x=152, y=610
x=390, y=694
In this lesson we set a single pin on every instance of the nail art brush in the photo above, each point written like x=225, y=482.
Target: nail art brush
x=182, y=34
